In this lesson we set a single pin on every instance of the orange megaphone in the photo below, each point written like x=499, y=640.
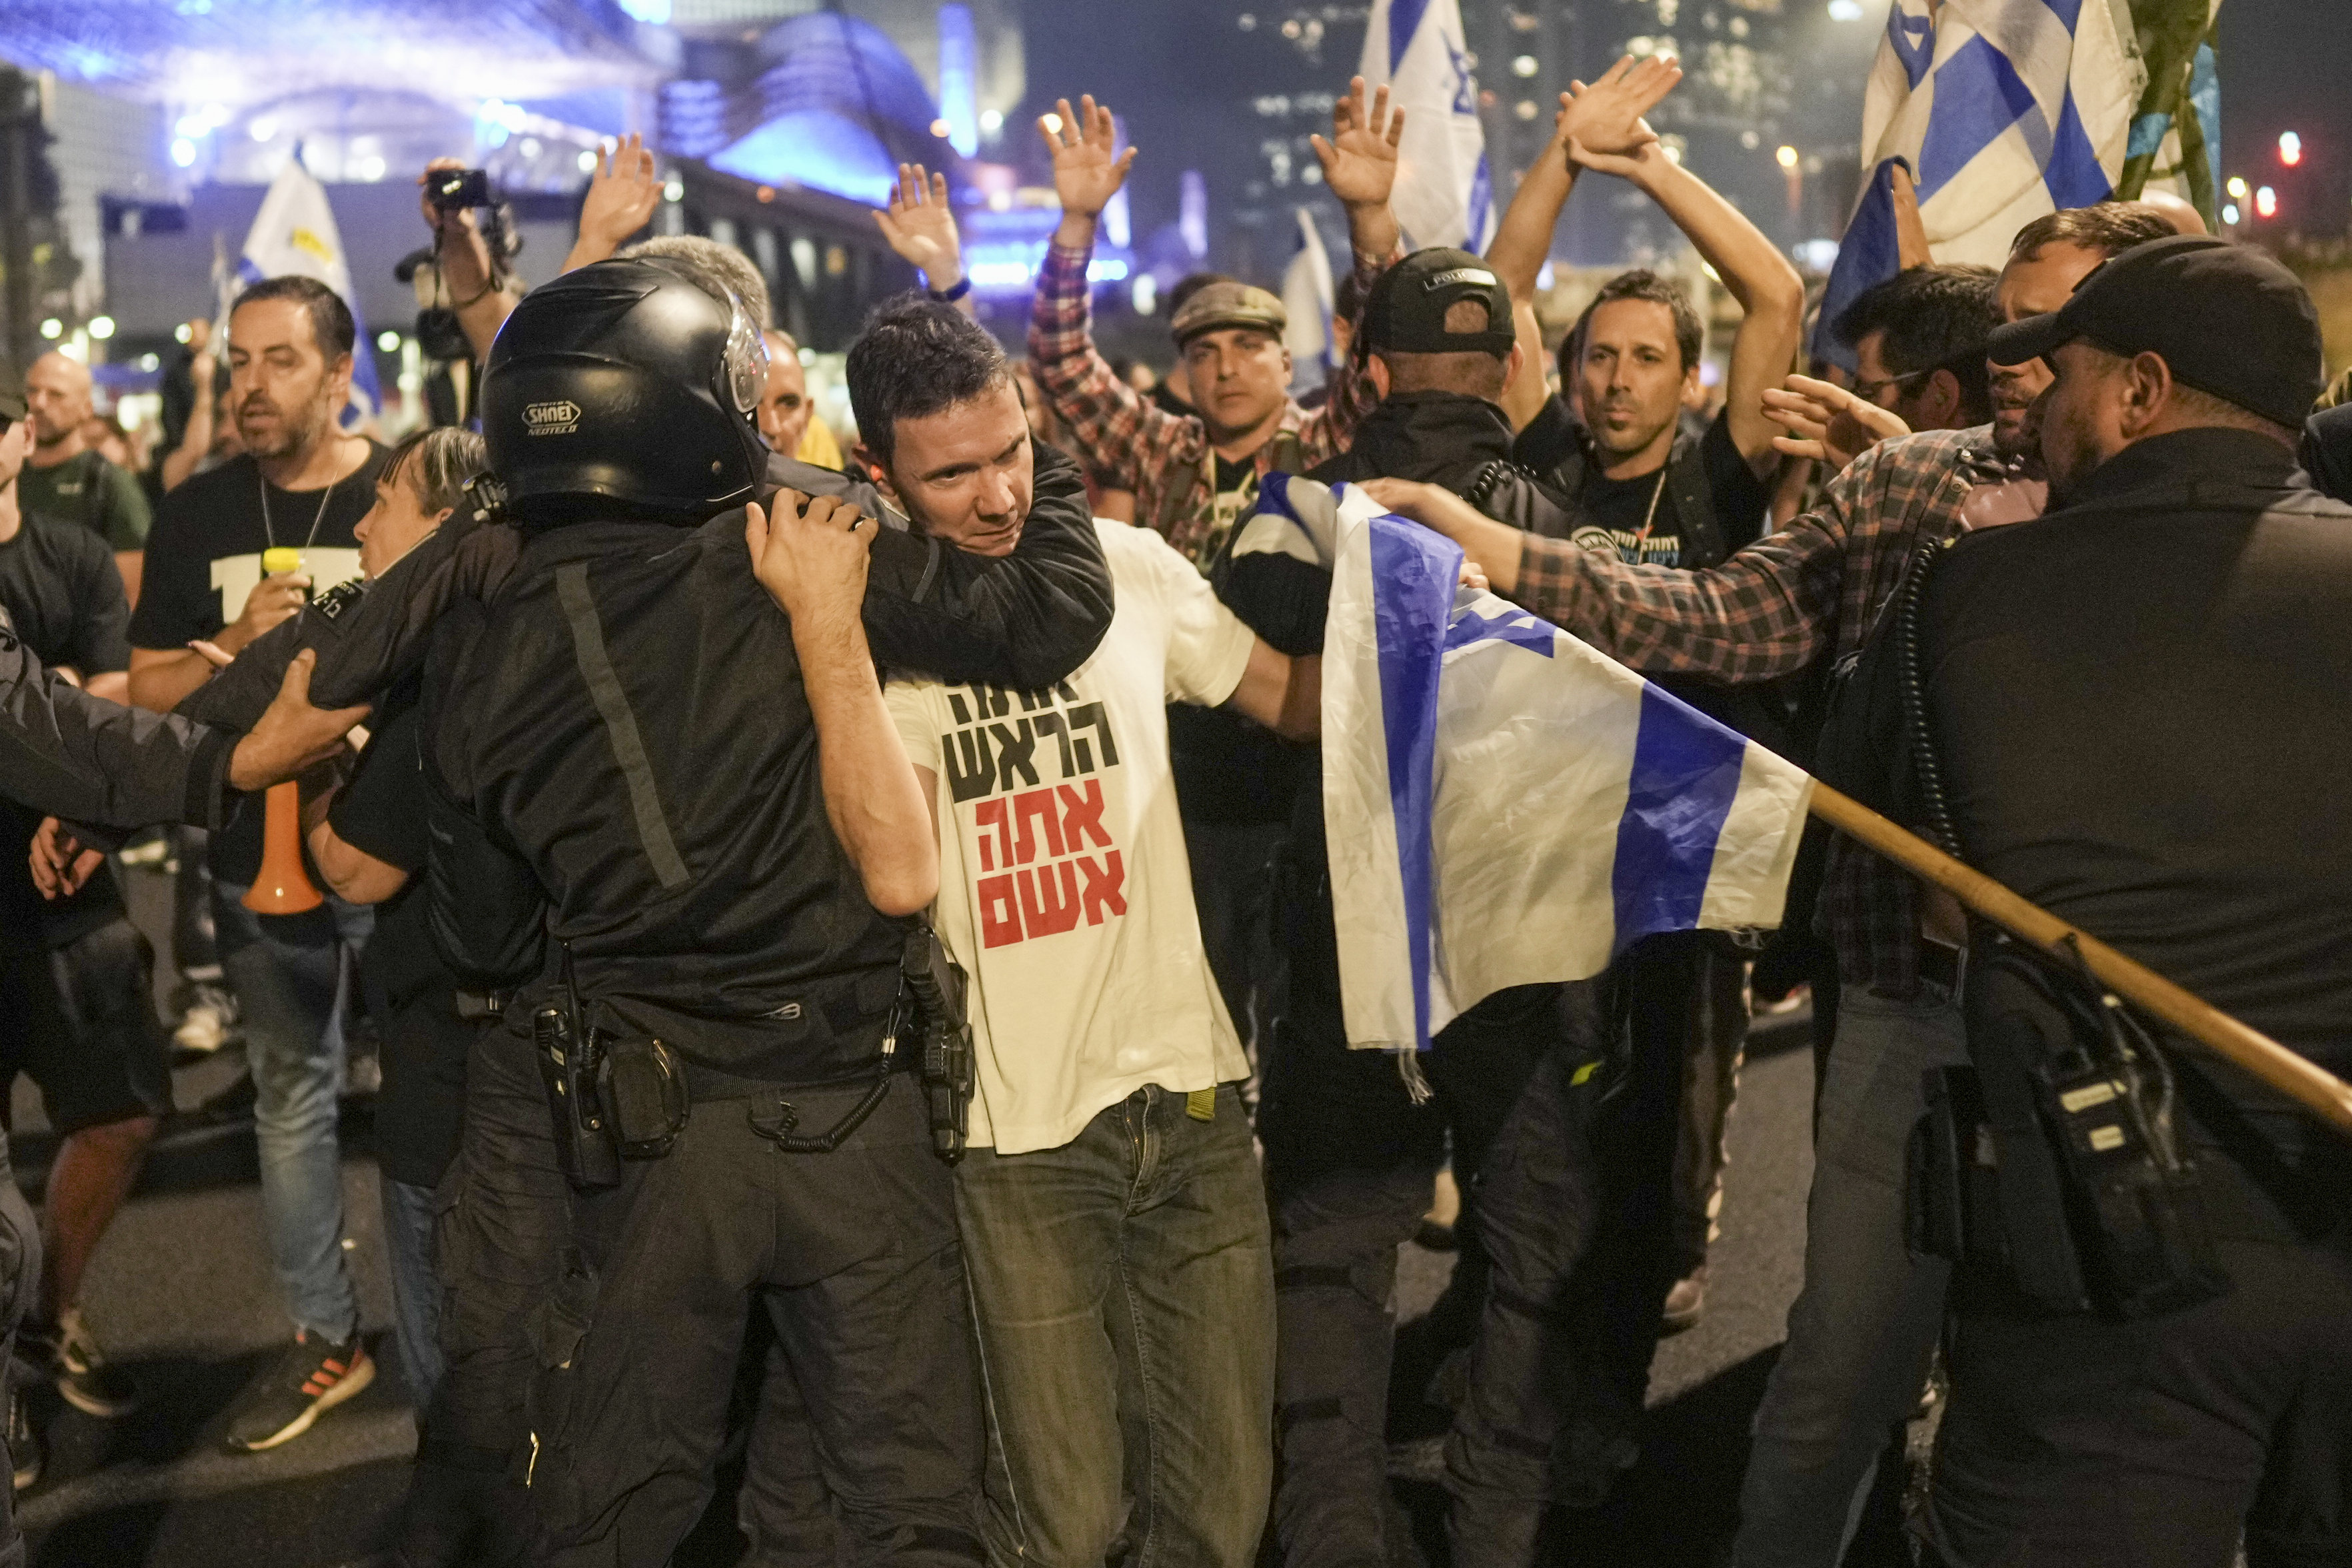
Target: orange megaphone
x=283, y=887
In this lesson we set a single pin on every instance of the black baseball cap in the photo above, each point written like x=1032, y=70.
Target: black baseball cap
x=1406, y=314
x=2228, y=320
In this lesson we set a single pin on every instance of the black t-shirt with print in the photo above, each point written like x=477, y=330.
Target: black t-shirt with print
x=1621, y=506
x=204, y=556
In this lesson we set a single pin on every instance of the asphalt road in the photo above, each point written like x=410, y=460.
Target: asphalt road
x=180, y=1294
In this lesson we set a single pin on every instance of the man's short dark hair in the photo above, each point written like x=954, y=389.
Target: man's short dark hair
x=331, y=327
x=2109, y=228
x=1934, y=318
x=1690, y=333
x=916, y=357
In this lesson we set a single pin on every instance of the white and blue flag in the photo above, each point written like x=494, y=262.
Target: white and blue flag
x=1503, y=805
x=2004, y=110
x=294, y=235
x=1445, y=194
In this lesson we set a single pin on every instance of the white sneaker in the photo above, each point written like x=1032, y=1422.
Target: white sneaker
x=209, y=1022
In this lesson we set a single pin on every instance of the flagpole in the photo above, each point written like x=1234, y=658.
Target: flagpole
x=2314, y=1088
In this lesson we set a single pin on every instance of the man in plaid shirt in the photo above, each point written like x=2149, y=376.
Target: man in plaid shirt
x=1862, y=1329
x=1193, y=474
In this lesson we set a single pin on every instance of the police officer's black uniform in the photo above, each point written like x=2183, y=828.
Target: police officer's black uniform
x=631, y=802
x=2134, y=706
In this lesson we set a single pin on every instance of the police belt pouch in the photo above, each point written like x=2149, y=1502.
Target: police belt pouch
x=2050, y=1167
x=641, y=1086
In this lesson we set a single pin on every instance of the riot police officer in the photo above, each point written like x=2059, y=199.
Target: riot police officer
x=671, y=816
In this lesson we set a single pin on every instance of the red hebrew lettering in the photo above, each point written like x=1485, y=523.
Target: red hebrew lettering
x=1036, y=803
x=1082, y=815
x=999, y=919
x=1049, y=903
x=1105, y=892
x=991, y=814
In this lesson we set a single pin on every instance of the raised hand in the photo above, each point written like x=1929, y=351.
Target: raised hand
x=1601, y=126
x=1360, y=161
x=922, y=228
x=623, y=192
x=1828, y=423
x=1087, y=171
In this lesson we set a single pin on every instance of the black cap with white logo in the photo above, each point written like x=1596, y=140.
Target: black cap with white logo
x=1406, y=314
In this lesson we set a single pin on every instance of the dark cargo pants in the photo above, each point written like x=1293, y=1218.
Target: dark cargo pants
x=1350, y=1159
x=853, y=1256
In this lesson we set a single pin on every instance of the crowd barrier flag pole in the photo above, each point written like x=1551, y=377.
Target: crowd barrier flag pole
x=2306, y=1083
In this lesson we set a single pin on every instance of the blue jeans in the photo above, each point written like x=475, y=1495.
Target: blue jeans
x=291, y=976
x=1864, y=1329
x=409, y=1212
x=1124, y=1287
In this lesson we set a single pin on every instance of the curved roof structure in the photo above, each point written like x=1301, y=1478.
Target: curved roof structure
x=233, y=52
x=835, y=105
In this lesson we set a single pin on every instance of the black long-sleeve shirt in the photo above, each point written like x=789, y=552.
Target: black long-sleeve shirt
x=626, y=763
x=67, y=754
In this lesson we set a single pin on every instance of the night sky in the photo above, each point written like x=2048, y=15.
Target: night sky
x=1181, y=73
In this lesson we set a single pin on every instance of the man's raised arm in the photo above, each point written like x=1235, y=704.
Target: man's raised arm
x=66, y=753
x=1751, y=267
x=1605, y=116
x=1023, y=620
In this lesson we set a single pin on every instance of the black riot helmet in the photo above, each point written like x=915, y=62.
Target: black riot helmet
x=626, y=388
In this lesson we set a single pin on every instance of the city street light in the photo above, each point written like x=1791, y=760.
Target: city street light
x=101, y=328
x=1786, y=157
x=2238, y=186
x=2290, y=149
x=2265, y=203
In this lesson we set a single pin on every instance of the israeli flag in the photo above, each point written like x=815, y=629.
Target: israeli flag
x=2004, y=110
x=1503, y=805
x=294, y=235
x=1308, y=300
x=1445, y=194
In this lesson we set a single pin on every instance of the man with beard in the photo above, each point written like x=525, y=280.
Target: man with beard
x=300, y=485
x=1862, y=1329
x=2185, y=583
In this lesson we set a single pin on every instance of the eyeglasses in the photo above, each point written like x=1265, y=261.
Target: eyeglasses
x=1868, y=391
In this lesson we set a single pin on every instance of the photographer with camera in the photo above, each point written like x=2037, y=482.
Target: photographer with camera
x=471, y=255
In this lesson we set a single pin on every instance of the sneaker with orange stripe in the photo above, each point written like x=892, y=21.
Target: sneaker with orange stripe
x=313, y=1377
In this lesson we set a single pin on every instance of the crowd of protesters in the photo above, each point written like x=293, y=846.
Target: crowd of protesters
x=1150, y=1313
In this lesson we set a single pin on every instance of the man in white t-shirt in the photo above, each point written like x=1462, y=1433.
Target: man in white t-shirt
x=1113, y=1219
